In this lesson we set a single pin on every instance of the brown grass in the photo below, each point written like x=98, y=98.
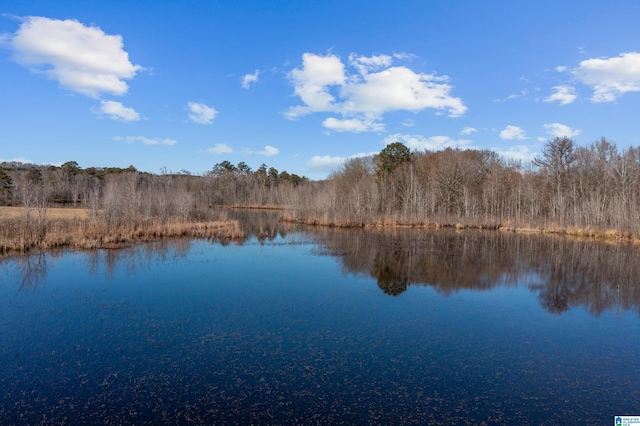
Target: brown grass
x=72, y=228
x=255, y=207
x=52, y=213
x=396, y=222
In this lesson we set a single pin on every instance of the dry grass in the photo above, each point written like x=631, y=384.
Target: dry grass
x=52, y=213
x=255, y=207
x=398, y=222
x=72, y=228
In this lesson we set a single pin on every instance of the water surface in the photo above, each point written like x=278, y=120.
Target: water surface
x=325, y=326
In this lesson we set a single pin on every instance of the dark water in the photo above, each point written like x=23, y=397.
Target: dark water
x=324, y=326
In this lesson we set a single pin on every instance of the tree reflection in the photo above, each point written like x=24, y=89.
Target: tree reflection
x=565, y=273
x=554, y=298
x=389, y=281
x=33, y=270
x=264, y=226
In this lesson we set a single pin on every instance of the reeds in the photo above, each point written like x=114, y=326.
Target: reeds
x=72, y=230
x=458, y=223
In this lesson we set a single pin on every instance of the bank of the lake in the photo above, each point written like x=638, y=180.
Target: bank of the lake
x=23, y=231
x=390, y=222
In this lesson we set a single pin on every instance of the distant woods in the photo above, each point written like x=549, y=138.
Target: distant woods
x=585, y=190
x=591, y=190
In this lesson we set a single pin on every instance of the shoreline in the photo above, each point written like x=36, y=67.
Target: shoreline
x=72, y=228
x=608, y=235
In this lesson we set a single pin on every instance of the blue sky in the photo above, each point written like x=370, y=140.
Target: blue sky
x=303, y=85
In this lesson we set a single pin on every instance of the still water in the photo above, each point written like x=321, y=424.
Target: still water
x=302, y=326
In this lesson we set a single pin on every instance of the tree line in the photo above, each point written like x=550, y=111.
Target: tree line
x=124, y=205
x=593, y=189
x=123, y=190
x=581, y=188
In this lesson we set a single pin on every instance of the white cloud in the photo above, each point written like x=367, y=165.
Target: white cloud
x=220, y=148
x=82, y=59
x=561, y=130
x=468, y=130
x=610, y=77
x=408, y=122
x=399, y=88
x=248, y=79
x=421, y=143
x=352, y=125
x=201, y=113
x=117, y=111
x=522, y=93
x=403, y=55
x=563, y=94
x=512, y=132
x=145, y=140
x=16, y=160
x=311, y=84
x=366, y=64
x=518, y=152
x=326, y=163
x=373, y=88
x=268, y=151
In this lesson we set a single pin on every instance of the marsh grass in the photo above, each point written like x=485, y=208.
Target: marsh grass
x=457, y=223
x=74, y=228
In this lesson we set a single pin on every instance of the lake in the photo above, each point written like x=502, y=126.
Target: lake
x=299, y=325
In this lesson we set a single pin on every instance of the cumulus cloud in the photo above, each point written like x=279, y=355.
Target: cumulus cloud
x=468, y=130
x=561, y=130
x=366, y=91
x=249, y=79
x=512, y=132
x=563, y=94
x=327, y=163
x=220, y=148
x=353, y=125
x=518, y=152
x=268, y=151
x=610, y=78
x=312, y=83
x=201, y=113
x=83, y=59
x=366, y=64
x=117, y=111
x=146, y=141
x=399, y=88
x=421, y=143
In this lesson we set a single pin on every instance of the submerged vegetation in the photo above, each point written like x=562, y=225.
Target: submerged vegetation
x=580, y=190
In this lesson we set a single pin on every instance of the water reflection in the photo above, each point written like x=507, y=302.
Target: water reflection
x=271, y=333
x=32, y=270
x=565, y=273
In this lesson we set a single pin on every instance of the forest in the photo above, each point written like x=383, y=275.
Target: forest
x=591, y=190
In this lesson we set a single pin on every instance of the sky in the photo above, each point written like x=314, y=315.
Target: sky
x=303, y=85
